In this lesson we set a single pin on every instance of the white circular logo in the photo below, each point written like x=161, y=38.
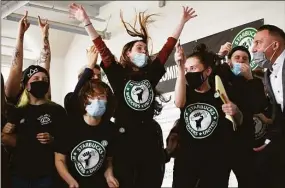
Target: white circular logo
x=201, y=120
x=121, y=130
x=104, y=143
x=88, y=157
x=245, y=38
x=138, y=95
x=260, y=128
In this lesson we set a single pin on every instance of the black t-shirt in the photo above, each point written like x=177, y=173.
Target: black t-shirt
x=261, y=127
x=86, y=149
x=203, y=129
x=134, y=91
x=32, y=159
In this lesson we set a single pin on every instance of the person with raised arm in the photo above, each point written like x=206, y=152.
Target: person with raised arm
x=14, y=88
x=205, y=135
x=133, y=80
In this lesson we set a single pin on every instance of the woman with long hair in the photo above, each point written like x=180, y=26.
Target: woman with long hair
x=205, y=135
x=133, y=80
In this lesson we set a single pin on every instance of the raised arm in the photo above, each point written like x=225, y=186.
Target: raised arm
x=71, y=100
x=45, y=55
x=13, y=84
x=180, y=86
x=79, y=13
x=188, y=13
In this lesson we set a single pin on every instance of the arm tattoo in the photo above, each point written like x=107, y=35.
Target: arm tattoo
x=45, y=52
x=16, y=55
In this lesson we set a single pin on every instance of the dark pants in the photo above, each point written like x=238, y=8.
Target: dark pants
x=140, y=162
x=45, y=182
x=270, y=167
x=242, y=164
x=205, y=171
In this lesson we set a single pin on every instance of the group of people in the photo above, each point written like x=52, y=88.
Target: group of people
x=45, y=145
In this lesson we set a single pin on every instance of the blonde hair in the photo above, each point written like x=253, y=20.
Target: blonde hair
x=25, y=100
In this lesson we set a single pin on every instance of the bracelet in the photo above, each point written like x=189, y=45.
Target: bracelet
x=88, y=24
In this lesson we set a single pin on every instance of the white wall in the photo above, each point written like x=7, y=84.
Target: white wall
x=213, y=17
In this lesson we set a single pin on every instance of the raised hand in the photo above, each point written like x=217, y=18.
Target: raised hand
x=179, y=55
x=92, y=56
x=188, y=13
x=78, y=12
x=43, y=25
x=225, y=49
x=24, y=24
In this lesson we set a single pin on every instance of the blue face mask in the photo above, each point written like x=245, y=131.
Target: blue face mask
x=236, y=68
x=97, y=107
x=140, y=60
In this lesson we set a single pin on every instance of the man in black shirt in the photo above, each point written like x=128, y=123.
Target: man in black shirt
x=249, y=96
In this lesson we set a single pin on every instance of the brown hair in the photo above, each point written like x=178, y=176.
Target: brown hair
x=89, y=88
x=144, y=20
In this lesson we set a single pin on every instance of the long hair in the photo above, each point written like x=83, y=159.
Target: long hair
x=144, y=20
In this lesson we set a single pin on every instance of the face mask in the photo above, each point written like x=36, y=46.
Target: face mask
x=260, y=58
x=97, y=107
x=39, y=89
x=236, y=68
x=195, y=79
x=140, y=60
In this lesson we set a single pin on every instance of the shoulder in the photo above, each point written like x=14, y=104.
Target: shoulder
x=56, y=107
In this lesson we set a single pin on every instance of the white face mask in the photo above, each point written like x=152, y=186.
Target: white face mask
x=140, y=60
x=260, y=58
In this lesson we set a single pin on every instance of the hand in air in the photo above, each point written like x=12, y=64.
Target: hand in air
x=43, y=25
x=24, y=24
x=179, y=55
x=78, y=12
x=225, y=49
x=188, y=13
x=92, y=56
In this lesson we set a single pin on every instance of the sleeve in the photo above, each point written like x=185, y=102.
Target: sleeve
x=61, y=138
x=166, y=50
x=115, y=74
x=106, y=55
x=157, y=70
x=256, y=96
x=71, y=102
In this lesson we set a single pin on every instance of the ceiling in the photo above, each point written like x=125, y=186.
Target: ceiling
x=62, y=28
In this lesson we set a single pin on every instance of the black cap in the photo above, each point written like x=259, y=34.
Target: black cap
x=31, y=70
x=239, y=48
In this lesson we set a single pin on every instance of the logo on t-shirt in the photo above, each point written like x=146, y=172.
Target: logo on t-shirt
x=260, y=128
x=45, y=119
x=88, y=157
x=201, y=119
x=138, y=94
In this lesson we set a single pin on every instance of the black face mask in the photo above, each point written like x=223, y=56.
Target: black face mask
x=195, y=79
x=39, y=89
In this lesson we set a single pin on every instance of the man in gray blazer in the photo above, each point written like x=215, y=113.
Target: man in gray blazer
x=269, y=53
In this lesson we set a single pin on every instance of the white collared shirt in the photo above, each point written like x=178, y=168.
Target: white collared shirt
x=276, y=79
